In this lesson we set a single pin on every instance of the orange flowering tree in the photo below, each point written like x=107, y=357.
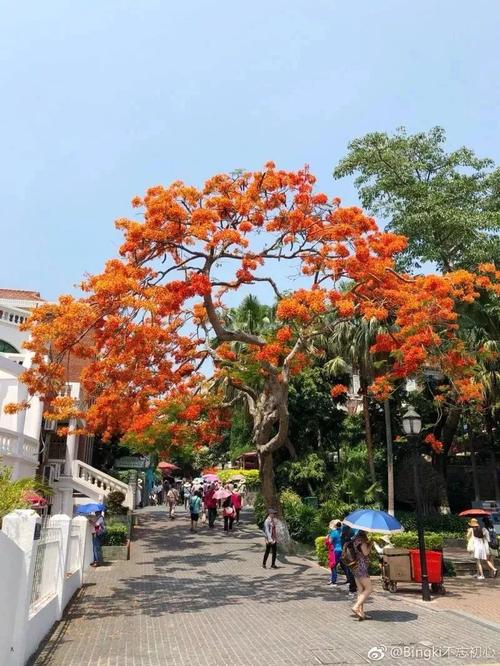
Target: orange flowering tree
x=161, y=351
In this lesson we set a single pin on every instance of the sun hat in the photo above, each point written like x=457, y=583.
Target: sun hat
x=473, y=522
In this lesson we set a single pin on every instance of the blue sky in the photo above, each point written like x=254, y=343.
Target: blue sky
x=101, y=100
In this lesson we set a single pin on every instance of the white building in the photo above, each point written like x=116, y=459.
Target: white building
x=28, y=443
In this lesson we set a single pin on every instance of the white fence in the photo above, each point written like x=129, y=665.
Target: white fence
x=43, y=567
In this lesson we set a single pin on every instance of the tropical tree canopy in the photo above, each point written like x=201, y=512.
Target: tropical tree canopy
x=447, y=204
x=155, y=325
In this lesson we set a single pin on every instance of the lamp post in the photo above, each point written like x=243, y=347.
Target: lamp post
x=412, y=425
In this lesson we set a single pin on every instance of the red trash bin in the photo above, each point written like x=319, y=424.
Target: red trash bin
x=434, y=559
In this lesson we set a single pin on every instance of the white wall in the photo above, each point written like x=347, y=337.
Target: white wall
x=24, y=625
x=11, y=562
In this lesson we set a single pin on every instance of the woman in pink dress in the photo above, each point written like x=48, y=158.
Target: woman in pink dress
x=237, y=503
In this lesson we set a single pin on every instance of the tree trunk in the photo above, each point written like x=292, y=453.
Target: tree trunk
x=368, y=434
x=475, y=479
x=448, y=432
x=390, y=459
x=267, y=484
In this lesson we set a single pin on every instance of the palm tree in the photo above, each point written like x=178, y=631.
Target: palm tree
x=350, y=344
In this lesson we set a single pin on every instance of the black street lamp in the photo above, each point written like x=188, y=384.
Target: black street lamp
x=412, y=425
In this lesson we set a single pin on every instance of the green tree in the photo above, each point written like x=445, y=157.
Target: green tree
x=13, y=493
x=446, y=203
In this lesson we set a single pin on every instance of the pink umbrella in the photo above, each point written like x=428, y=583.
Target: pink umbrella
x=167, y=466
x=222, y=494
x=211, y=477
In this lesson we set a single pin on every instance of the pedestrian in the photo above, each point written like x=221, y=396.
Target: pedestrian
x=271, y=537
x=187, y=487
x=346, y=536
x=333, y=543
x=362, y=549
x=478, y=546
x=237, y=503
x=195, y=508
x=98, y=528
x=228, y=514
x=172, y=497
x=492, y=539
x=211, y=505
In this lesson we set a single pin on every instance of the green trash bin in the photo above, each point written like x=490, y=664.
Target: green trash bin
x=311, y=501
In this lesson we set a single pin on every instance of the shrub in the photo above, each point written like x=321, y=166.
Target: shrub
x=115, y=535
x=331, y=509
x=321, y=550
x=449, y=569
x=114, y=503
x=259, y=510
x=252, y=479
x=434, y=522
x=410, y=540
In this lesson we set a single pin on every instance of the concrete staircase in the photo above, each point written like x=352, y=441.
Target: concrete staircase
x=97, y=485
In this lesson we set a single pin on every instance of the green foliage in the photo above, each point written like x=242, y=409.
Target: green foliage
x=115, y=535
x=114, y=503
x=12, y=492
x=410, y=540
x=447, y=204
x=321, y=551
x=434, y=522
x=302, y=520
x=333, y=509
x=259, y=510
x=449, y=569
x=252, y=479
x=310, y=468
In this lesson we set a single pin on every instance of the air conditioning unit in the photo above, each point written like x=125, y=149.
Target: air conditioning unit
x=49, y=425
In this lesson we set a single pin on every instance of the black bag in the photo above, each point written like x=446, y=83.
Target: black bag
x=493, y=538
x=348, y=556
x=478, y=533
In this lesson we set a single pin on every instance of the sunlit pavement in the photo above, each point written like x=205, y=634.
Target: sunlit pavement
x=204, y=600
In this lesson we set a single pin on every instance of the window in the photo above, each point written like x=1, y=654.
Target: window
x=7, y=348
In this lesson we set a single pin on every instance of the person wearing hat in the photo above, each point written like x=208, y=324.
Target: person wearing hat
x=271, y=536
x=477, y=544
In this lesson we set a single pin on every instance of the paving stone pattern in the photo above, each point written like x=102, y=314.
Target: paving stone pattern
x=204, y=600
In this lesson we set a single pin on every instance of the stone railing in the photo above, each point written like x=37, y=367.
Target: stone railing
x=12, y=315
x=100, y=483
x=18, y=446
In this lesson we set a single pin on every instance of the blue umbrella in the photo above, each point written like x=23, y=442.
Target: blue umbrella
x=84, y=509
x=371, y=520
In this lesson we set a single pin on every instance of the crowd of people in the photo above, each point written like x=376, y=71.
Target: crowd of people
x=204, y=499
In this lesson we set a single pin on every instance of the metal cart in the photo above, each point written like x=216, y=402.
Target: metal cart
x=402, y=565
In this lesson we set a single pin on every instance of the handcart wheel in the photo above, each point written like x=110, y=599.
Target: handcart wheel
x=438, y=588
x=393, y=586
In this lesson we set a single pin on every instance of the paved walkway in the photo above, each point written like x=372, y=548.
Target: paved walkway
x=204, y=600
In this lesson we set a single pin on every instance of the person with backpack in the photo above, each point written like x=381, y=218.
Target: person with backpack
x=228, y=513
x=195, y=508
x=98, y=528
x=333, y=543
x=478, y=545
x=210, y=504
x=358, y=551
x=237, y=503
x=346, y=536
x=492, y=539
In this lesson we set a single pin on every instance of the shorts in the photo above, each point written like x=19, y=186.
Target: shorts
x=195, y=516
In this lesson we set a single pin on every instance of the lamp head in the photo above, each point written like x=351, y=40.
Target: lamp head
x=412, y=423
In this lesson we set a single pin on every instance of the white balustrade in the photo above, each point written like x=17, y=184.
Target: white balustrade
x=12, y=315
x=101, y=483
x=99, y=480
x=18, y=446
